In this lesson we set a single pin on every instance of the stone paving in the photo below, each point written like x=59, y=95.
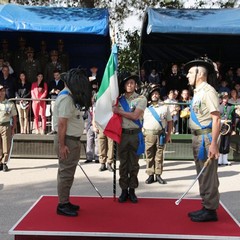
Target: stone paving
x=28, y=179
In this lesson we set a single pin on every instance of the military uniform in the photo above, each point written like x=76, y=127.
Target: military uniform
x=152, y=131
x=7, y=111
x=19, y=56
x=105, y=150
x=43, y=55
x=50, y=67
x=31, y=66
x=7, y=55
x=64, y=108
x=227, y=114
x=129, y=166
x=204, y=102
x=63, y=56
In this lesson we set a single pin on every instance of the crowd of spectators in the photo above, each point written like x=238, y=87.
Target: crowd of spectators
x=35, y=73
x=175, y=89
x=26, y=72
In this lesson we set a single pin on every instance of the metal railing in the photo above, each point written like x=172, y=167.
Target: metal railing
x=48, y=114
x=181, y=124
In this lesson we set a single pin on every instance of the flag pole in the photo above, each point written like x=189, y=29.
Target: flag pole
x=114, y=142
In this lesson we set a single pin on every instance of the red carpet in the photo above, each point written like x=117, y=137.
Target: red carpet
x=150, y=218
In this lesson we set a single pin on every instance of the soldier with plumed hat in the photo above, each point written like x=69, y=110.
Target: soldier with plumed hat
x=156, y=118
x=205, y=127
x=131, y=107
x=68, y=124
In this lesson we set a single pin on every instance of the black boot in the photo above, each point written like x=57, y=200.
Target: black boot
x=124, y=196
x=160, y=180
x=206, y=216
x=150, y=179
x=132, y=196
x=109, y=167
x=103, y=167
x=196, y=213
x=66, y=210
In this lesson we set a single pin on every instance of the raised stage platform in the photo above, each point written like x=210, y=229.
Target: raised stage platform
x=98, y=218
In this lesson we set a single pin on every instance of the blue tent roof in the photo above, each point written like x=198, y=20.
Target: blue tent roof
x=194, y=21
x=54, y=19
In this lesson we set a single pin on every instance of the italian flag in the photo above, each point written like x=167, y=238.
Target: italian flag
x=107, y=96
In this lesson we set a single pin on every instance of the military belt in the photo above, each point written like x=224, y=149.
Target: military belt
x=131, y=131
x=5, y=124
x=201, y=131
x=73, y=138
x=152, y=132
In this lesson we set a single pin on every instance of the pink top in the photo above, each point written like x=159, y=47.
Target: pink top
x=37, y=92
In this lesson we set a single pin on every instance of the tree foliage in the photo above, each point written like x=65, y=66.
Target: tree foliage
x=128, y=40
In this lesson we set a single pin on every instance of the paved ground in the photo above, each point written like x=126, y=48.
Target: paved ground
x=28, y=179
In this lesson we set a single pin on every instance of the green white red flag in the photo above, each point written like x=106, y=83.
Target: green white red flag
x=107, y=97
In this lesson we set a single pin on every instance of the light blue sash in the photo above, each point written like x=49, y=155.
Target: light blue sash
x=202, y=154
x=141, y=144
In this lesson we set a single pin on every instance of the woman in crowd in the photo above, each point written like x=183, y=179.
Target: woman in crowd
x=174, y=110
x=23, y=91
x=39, y=91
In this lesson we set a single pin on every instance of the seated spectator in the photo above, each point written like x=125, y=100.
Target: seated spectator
x=229, y=76
x=224, y=87
x=39, y=90
x=154, y=77
x=143, y=76
x=163, y=90
x=23, y=91
x=237, y=87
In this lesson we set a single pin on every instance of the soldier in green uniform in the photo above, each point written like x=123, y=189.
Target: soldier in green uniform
x=69, y=125
x=5, y=52
x=131, y=108
x=31, y=66
x=63, y=56
x=155, y=119
x=205, y=126
x=19, y=56
x=42, y=56
x=53, y=65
